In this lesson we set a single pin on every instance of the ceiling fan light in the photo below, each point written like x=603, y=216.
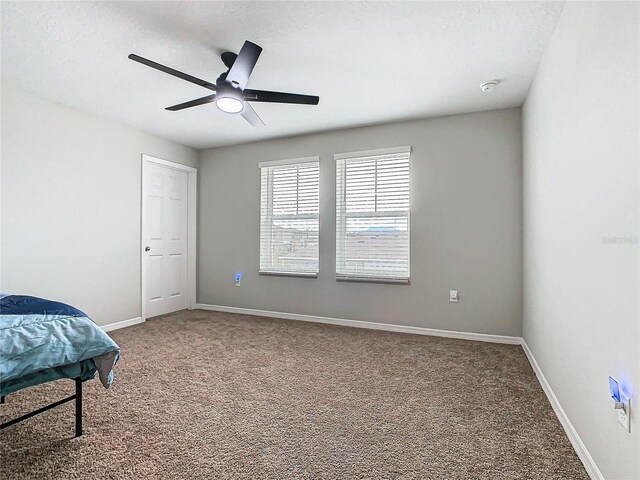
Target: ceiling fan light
x=229, y=104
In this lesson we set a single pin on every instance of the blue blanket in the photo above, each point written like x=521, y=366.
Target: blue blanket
x=42, y=340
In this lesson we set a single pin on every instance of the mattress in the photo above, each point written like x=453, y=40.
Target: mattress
x=43, y=340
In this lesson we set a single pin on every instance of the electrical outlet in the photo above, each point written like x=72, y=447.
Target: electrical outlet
x=453, y=296
x=624, y=413
x=238, y=279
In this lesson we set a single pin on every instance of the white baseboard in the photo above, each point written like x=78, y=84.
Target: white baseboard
x=574, y=438
x=125, y=323
x=478, y=337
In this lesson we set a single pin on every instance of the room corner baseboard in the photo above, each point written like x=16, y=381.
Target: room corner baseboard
x=478, y=337
x=574, y=438
x=117, y=325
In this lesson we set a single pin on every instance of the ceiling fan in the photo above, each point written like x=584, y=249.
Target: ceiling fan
x=230, y=95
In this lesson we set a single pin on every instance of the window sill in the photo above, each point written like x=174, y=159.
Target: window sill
x=348, y=278
x=289, y=274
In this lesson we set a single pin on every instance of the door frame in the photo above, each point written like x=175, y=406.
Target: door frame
x=192, y=204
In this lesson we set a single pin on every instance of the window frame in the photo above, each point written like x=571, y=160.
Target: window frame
x=342, y=215
x=270, y=217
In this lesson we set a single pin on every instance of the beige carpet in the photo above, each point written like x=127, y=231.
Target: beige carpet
x=211, y=395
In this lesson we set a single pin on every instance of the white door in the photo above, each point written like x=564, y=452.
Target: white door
x=165, y=239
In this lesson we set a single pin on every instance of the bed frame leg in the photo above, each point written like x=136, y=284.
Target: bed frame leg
x=78, y=407
x=2, y=399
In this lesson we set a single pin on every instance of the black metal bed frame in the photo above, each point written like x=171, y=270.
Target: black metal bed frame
x=76, y=396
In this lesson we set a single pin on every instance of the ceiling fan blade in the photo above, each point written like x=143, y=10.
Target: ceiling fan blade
x=280, y=97
x=171, y=71
x=193, y=103
x=251, y=116
x=239, y=73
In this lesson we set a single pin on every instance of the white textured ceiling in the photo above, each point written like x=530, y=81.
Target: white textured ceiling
x=370, y=62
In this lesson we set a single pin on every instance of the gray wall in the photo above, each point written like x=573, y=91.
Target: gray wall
x=466, y=226
x=71, y=205
x=581, y=156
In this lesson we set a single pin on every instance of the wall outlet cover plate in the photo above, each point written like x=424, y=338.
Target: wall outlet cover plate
x=624, y=415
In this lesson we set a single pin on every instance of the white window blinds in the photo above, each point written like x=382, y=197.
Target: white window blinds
x=372, y=215
x=289, y=217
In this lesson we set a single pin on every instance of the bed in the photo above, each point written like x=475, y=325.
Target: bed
x=41, y=341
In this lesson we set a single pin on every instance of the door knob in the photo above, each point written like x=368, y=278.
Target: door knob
x=146, y=249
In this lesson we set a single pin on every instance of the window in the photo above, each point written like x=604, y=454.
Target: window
x=289, y=217
x=372, y=215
